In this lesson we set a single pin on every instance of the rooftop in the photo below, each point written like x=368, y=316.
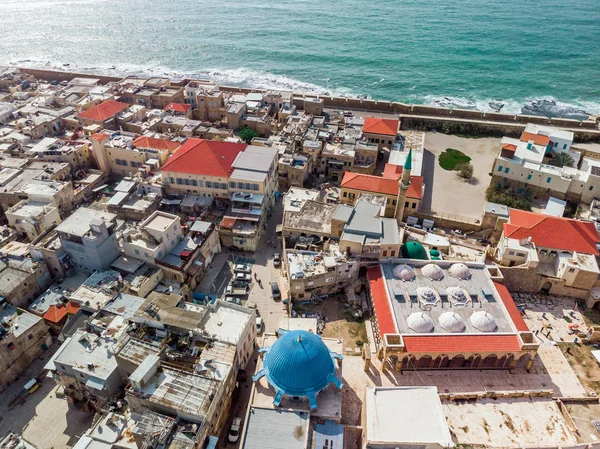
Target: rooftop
x=314, y=217
x=146, y=142
x=98, y=289
x=204, y=157
x=377, y=184
x=386, y=127
x=226, y=322
x=285, y=428
x=78, y=223
x=420, y=420
x=104, y=111
x=16, y=321
x=553, y=232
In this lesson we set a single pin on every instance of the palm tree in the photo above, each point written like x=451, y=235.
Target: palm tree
x=562, y=159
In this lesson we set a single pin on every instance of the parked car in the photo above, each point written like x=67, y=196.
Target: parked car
x=241, y=268
x=234, y=430
x=459, y=233
x=484, y=241
x=259, y=324
x=242, y=277
x=233, y=300
x=275, y=290
x=276, y=260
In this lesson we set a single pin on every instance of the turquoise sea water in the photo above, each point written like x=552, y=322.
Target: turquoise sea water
x=457, y=52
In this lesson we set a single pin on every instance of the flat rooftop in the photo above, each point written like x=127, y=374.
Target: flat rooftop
x=313, y=217
x=509, y=422
x=419, y=421
x=226, y=322
x=78, y=223
x=160, y=221
x=16, y=321
x=285, y=429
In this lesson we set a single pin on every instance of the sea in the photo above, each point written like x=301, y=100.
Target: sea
x=516, y=56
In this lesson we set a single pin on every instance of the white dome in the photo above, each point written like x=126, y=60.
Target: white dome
x=457, y=295
x=432, y=271
x=484, y=321
x=420, y=322
x=452, y=322
x=404, y=272
x=426, y=295
x=460, y=270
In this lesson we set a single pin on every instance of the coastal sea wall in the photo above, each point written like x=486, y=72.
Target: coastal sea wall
x=421, y=117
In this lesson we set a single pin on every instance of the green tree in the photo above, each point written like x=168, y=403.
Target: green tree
x=562, y=159
x=465, y=170
x=247, y=134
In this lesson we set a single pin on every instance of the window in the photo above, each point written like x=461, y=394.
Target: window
x=329, y=280
x=179, y=181
x=256, y=187
x=549, y=179
x=511, y=253
x=565, y=146
x=591, y=188
x=393, y=202
x=346, y=195
x=30, y=336
x=172, y=181
x=385, y=254
x=194, y=182
x=499, y=167
x=529, y=176
x=507, y=169
x=392, y=253
x=555, y=144
x=571, y=270
x=414, y=205
x=208, y=184
x=232, y=185
x=521, y=254
x=351, y=196
x=200, y=183
x=137, y=251
x=406, y=204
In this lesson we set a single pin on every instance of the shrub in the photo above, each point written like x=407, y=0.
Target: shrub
x=495, y=194
x=465, y=170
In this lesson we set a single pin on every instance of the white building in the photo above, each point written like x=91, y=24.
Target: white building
x=31, y=218
x=154, y=238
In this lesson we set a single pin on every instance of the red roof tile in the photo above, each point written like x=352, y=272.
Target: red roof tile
x=461, y=343
x=553, y=232
x=386, y=186
x=99, y=137
x=178, y=107
x=392, y=171
x=382, y=126
x=55, y=313
x=228, y=222
x=157, y=144
x=204, y=157
x=73, y=307
x=511, y=307
x=104, y=111
x=538, y=139
x=509, y=147
x=381, y=304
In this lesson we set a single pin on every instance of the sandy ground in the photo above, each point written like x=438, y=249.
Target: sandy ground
x=445, y=193
x=509, y=422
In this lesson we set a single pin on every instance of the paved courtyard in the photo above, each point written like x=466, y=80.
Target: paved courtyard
x=445, y=193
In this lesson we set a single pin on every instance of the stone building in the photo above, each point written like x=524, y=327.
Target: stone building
x=431, y=315
x=23, y=337
x=551, y=254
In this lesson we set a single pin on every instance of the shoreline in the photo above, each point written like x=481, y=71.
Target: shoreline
x=414, y=116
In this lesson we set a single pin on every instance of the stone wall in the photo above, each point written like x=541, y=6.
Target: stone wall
x=526, y=280
x=461, y=121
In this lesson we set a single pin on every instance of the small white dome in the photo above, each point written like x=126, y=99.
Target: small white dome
x=432, y=271
x=420, y=322
x=452, y=322
x=404, y=272
x=484, y=321
x=460, y=270
x=457, y=295
x=426, y=295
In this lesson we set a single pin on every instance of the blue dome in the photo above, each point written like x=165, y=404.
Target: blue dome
x=299, y=364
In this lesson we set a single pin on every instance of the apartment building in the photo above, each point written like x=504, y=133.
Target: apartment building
x=542, y=163
x=75, y=153
x=31, y=218
x=312, y=274
x=88, y=236
x=294, y=170
x=153, y=238
x=23, y=337
x=206, y=99
x=124, y=154
x=152, y=93
x=552, y=254
x=337, y=159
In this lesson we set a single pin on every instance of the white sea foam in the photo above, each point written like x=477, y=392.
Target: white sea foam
x=245, y=77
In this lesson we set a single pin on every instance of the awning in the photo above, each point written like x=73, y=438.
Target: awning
x=212, y=442
x=168, y=202
x=95, y=383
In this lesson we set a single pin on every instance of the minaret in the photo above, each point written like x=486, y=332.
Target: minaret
x=403, y=184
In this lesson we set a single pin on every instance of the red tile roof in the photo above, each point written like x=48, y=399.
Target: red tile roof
x=553, y=232
x=511, y=307
x=73, y=307
x=157, y=144
x=204, y=157
x=382, y=126
x=104, y=111
x=381, y=304
x=178, y=107
x=392, y=171
x=386, y=186
x=509, y=147
x=99, y=137
x=55, y=314
x=461, y=343
x=228, y=222
x=538, y=139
